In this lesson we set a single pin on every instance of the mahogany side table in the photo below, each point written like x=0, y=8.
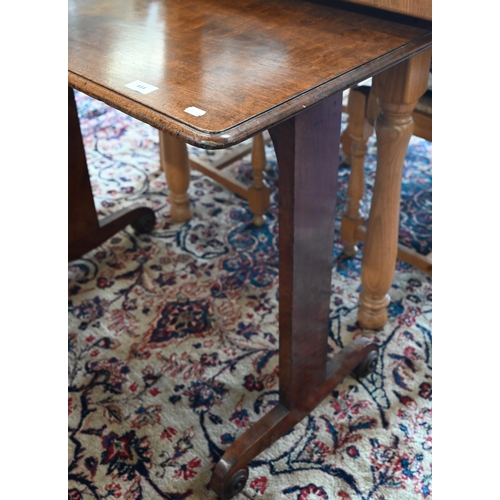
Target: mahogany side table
x=213, y=73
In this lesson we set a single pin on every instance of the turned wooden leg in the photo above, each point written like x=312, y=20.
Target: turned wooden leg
x=307, y=148
x=360, y=131
x=175, y=163
x=346, y=143
x=398, y=90
x=258, y=193
x=345, y=137
x=85, y=230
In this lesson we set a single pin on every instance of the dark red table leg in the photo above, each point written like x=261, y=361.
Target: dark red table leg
x=85, y=231
x=307, y=149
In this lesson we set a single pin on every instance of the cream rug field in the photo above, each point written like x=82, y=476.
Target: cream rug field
x=173, y=343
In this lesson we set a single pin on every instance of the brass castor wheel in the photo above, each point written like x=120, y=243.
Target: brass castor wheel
x=145, y=223
x=235, y=483
x=366, y=366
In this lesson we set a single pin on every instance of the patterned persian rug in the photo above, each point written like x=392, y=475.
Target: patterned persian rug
x=173, y=342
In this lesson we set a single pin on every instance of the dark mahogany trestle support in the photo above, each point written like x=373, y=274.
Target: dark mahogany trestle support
x=307, y=150
x=231, y=472
x=85, y=231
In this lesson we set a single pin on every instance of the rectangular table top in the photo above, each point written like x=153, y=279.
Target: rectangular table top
x=248, y=64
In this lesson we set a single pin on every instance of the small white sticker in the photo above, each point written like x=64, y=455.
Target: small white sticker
x=143, y=88
x=192, y=110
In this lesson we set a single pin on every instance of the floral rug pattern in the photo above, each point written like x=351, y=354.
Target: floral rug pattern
x=173, y=342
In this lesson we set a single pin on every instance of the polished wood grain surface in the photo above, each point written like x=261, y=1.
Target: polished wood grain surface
x=248, y=64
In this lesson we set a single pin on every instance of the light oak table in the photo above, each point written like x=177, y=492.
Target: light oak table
x=224, y=71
